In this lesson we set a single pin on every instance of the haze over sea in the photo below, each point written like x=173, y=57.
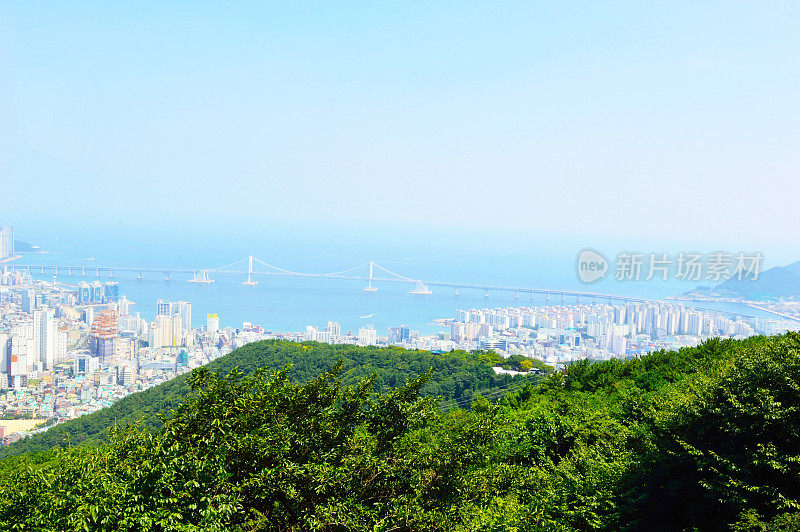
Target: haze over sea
x=286, y=304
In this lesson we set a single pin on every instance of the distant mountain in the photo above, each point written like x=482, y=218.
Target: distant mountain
x=780, y=281
x=794, y=267
x=24, y=247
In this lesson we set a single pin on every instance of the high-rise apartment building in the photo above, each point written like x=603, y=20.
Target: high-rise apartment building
x=6, y=241
x=96, y=292
x=123, y=306
x=334, y=328
x=176, y=308
x=104, y=335
x=166, y=331
x=61, y=339
x=44, y=337
x=212, y=323
x=28, y=300
x=367, y=335
x=110, y=292
x=13, y=362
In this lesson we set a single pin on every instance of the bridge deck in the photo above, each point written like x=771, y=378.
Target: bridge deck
x=81, y=270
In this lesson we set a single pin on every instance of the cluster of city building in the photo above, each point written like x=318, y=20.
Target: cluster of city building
x=559, y=335
x=66, y=350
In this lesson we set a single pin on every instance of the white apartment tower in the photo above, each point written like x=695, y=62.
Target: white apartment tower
x=166, y=331
x=6, y=241
x=45, y=328
x=212, y=323
x=367, y=335
x=176, y=308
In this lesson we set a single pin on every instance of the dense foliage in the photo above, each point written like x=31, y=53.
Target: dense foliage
x=456, y=376
x=705, y=438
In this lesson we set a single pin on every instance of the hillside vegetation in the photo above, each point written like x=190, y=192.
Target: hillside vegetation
x=705, y=438
x=456, y=376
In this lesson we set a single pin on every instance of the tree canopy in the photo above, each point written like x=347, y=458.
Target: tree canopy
x=456, y=376
x=703, y=438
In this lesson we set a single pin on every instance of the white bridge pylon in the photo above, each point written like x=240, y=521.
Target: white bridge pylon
x=421, y=289
x=201, y=277
x=250, y=281
x=369, y=287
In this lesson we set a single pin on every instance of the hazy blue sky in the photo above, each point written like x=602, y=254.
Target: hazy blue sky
x=680, y=120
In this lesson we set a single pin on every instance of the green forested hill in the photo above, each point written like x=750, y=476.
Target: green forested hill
x=456, y=375
x=704, y=439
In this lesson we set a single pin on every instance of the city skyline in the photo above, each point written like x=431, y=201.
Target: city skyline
x=70, y=349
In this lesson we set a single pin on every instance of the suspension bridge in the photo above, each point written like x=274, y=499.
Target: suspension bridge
x=251, y=269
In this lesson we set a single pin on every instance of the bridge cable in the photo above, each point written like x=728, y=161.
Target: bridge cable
x=395, y=274
x=306, y=274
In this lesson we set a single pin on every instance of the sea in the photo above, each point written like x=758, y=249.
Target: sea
x=522, y=260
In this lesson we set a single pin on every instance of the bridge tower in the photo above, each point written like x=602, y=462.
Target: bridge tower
x=421, y=289
x=201, y=277
x=250, y=281
x=369, y=287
